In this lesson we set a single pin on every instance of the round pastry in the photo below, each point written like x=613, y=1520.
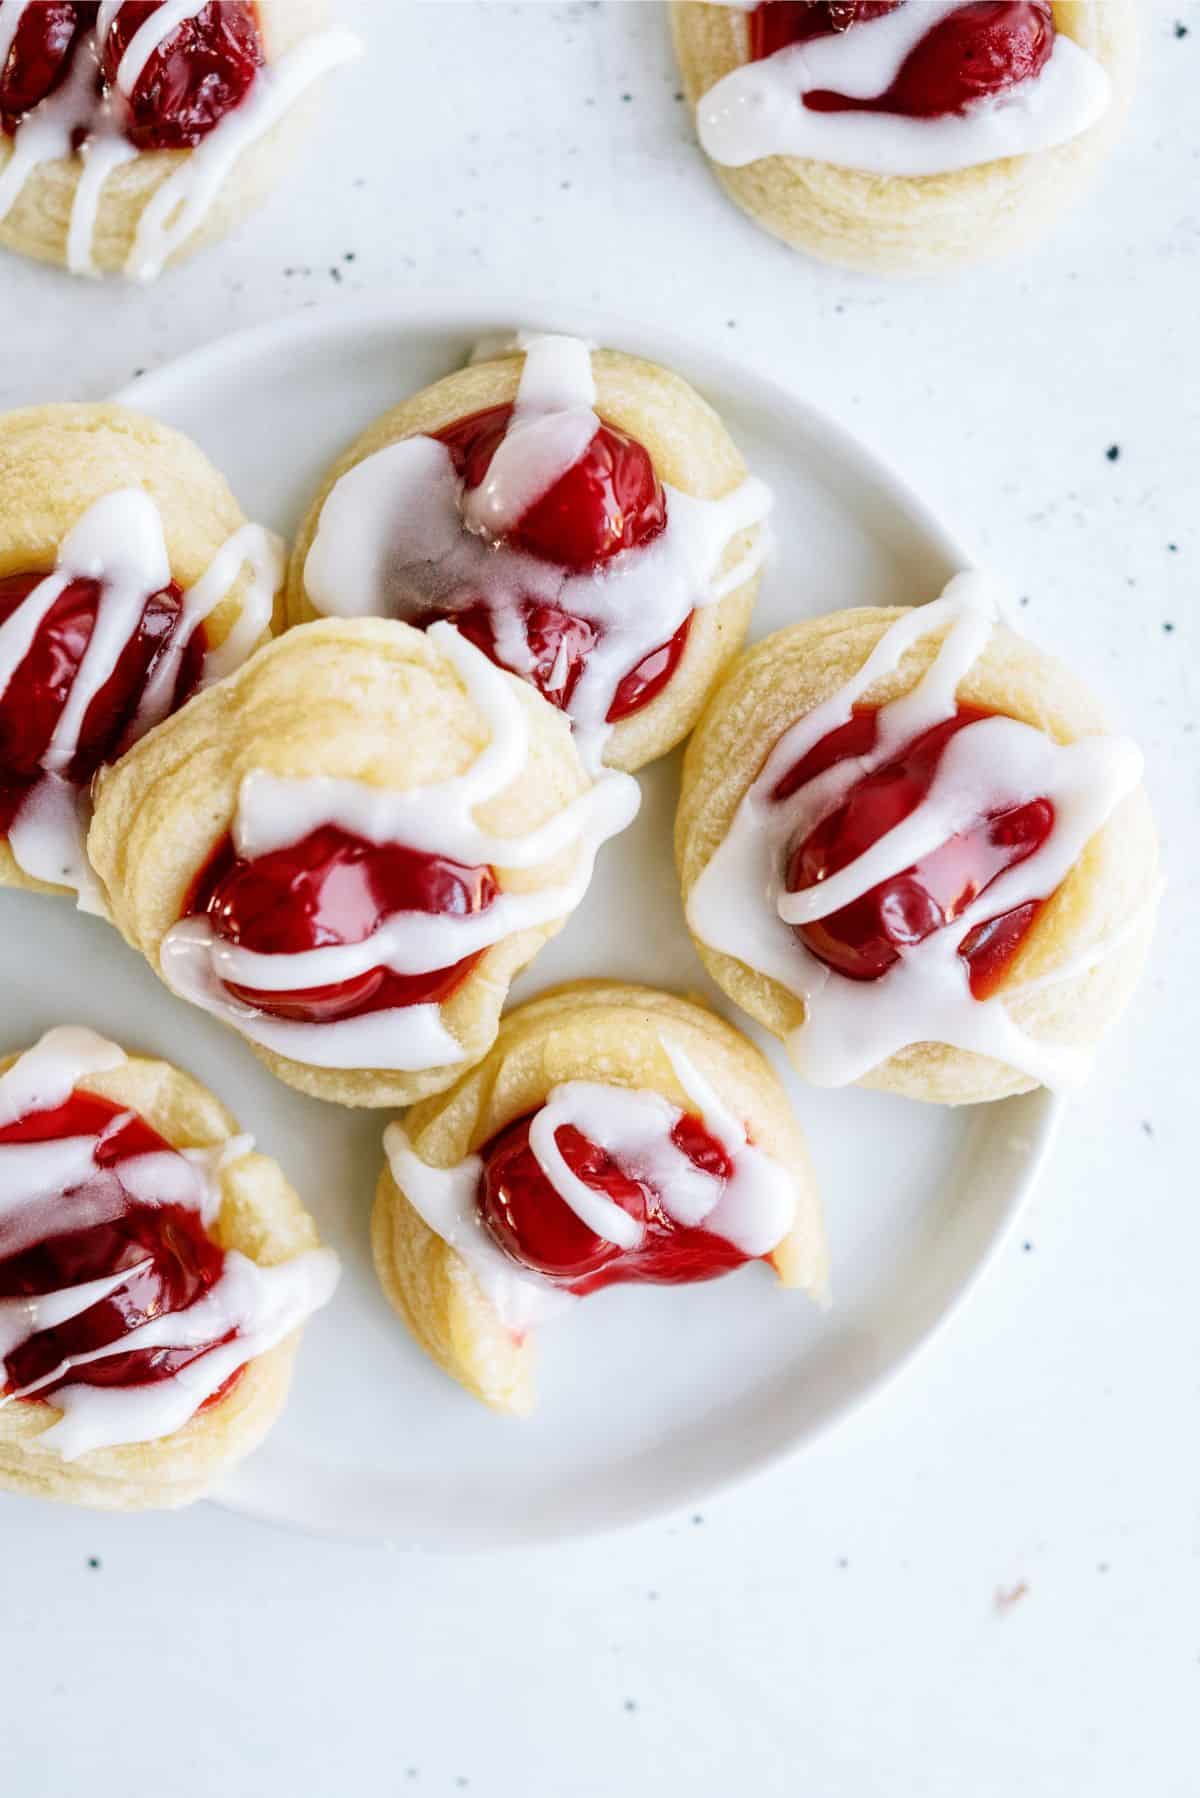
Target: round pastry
x=907, y=136
x=348, y=850
x=582, y=516
x=154, y=1275
x=909, y=850
x=613, y=1133
x=133, y=131
x=128, y=579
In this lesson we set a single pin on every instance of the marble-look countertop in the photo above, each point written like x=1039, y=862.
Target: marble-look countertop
x=989, y=1581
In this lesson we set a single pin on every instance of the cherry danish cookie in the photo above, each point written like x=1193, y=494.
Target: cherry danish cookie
x=154, y=1277
x=612, y=1134
x=909, y=848
x=347, y=850
x=129, y=579
x=906, y=136
x=134, y=131
x=581, y=516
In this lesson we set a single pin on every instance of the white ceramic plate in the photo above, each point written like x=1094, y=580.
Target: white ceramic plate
x=649, y=1397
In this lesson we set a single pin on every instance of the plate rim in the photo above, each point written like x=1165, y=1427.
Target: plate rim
x=444, y=313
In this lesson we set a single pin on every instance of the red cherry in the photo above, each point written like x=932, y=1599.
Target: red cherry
x=41, y=54
x=609, y=501
x=778, y=23
x=334, y=888
x=203, y=70
x=120, y=1233
x=32, y=702
x=534, y=1226
x=865, y=938
x=559, y=643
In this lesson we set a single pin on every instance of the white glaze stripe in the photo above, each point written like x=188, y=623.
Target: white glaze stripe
x=739, y=905
x=438, y=820
x=391, y=542
x=261, y=1304
x=119, y=543
x=758, y=109
x=149, y=38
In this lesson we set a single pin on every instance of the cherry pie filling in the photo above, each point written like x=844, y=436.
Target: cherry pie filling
x=330, y=889
x=867, y=937
x=172, y=1262
x=535, y=1227
x=33, y=701
x=982, y=49
x=200, y=73
x=610, y=501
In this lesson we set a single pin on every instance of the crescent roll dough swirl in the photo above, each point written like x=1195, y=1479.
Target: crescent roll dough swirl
x=470, y=1315
x=913, y=224
x=259, y=1218
x=335, y=724
x=1075, y=965
x=713, y=512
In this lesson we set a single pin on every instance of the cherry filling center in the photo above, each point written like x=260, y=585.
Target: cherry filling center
x=537, y=1228
x=865, y=938
x=982, y=49
x=329, y=889
x=177, y=1263
x=611, y=500
x=33, y=701
x=202, y=71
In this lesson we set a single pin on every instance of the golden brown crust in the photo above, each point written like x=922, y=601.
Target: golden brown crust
x=914, y=224
x=690, y=449
x=588, y=1030
x=363, y=699
x=38, y=221
x=782, y=679
x=261, y=1217
x=57, y=461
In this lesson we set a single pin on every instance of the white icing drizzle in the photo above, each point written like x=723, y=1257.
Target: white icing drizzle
x=181, y=204
x=400, y=537
x=754, y=1209
x=739, y=906
x=758, y=109
x=119, y=542
x=56, y=1186
x=437, y=820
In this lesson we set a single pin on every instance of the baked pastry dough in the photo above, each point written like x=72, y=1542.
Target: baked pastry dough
x=657, y=1092
x=154, y=1275
x=348, y=849
x=951, y=913
x=915, y=223
x=200, y=109
x=583, y=516
x=124, y=558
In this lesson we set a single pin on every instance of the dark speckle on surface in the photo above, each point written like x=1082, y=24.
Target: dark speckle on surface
x=335, y=274
x=1027, y=1248
x=1168, y=625
x=95, y=1563
x=350, y=256
x=631, y=1704
x=1174, y=548
x=627, y=98
x=1147, y=1127
x=697, y=1517
x=1024, y=599
x=1181, y=30
x=1113, y=452
x=843, y=1562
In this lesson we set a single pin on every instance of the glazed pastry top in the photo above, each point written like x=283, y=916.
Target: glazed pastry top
x=902, y=87
x=545, y=534
x=602, y=1184
x=118, y=1305
x=340, y=913
x=97, y=652
x=887, y=863
x=107, y=82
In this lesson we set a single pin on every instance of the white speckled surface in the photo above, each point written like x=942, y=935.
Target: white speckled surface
x=991, y=1580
